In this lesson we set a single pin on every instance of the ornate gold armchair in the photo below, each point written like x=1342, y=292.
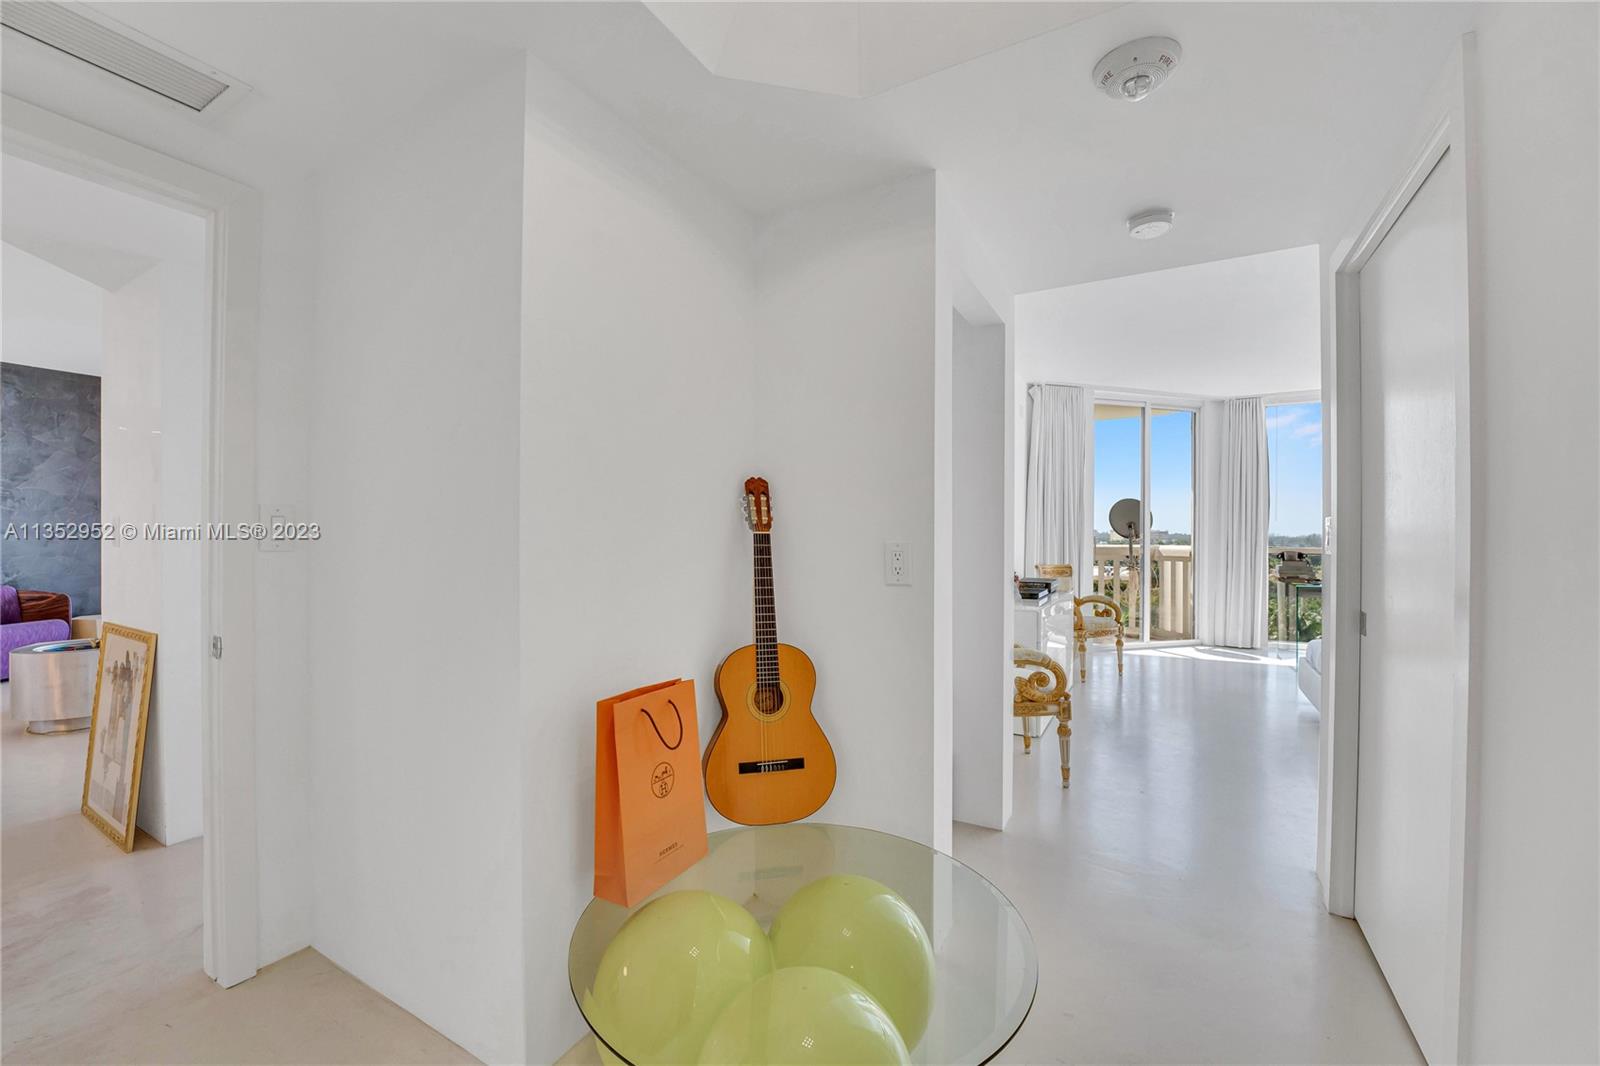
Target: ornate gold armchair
x=1042, y=692
x=1102, y=619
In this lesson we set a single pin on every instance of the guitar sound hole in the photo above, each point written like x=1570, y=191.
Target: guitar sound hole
x=769, y=700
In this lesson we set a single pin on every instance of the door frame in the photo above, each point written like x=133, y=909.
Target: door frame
x=229, y=937
x=1450, y=129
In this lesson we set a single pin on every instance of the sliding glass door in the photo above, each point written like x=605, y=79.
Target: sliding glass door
x=1144, y=515
x=1118, y=477
x=1171, y=518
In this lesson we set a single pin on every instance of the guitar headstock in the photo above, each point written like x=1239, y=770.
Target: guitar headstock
x=757, y=505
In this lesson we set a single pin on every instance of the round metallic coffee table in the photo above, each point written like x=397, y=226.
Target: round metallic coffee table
x=985, y=967
x=52, y=684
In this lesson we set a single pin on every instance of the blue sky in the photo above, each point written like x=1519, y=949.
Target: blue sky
x=1294, y=452
x=1116, y=468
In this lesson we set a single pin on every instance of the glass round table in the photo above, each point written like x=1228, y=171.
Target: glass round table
x=984, y=968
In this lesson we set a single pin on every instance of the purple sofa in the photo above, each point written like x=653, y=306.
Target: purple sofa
x=14, y=632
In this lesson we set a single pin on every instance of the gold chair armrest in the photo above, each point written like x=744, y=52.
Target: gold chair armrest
x=1106, y=601
x=1047, y=685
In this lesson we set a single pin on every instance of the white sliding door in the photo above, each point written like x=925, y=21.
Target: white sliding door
x=1144, y=452
x=1413, y=334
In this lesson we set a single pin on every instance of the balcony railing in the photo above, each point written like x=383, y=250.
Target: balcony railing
x=1172, y=591
x=1171, y=587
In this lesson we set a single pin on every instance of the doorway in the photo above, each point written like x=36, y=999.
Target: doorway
x=230, y=216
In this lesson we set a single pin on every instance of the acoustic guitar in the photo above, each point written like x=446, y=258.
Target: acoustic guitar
x=768, y=760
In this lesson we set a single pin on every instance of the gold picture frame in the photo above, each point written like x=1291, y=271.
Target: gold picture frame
x=116, y=731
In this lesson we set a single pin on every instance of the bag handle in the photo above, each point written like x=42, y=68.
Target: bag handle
x=673, y=746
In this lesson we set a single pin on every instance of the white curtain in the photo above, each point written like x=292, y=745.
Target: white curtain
x=1231, y=524
x=1060, y=487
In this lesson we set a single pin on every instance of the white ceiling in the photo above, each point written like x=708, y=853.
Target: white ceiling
x=51, y=318
x=67, y=241
x=1239, y=327
x=1283, y=123
x=853, y=49
x=320, y=74
x=105, y=236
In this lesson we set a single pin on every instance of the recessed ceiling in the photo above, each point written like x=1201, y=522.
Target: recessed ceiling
x=854, y=49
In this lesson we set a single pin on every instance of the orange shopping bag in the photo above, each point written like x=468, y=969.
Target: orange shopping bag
x=649, y=815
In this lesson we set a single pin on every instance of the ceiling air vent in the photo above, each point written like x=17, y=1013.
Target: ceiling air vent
x=116, y=50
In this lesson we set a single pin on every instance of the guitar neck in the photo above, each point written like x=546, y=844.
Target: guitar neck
x=766, y=614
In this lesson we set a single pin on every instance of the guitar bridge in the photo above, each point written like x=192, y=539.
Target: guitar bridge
x=772, y=766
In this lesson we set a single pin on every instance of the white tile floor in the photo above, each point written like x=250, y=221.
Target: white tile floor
x=100, y=950
x=1171, y=891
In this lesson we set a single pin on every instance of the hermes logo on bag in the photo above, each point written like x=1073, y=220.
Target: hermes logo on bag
x=661, y=780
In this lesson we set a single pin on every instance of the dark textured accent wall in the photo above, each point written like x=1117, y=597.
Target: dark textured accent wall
x=50, y=473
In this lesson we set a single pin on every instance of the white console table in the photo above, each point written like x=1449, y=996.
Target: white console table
x=1031, y=632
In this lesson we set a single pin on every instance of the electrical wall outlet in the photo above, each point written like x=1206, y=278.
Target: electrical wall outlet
x=896, y=562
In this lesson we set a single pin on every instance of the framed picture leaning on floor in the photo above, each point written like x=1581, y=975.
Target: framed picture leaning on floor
x=116, y=732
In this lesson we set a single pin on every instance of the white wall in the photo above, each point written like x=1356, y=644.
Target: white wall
x=981, y=725
x=130, y=473
x=803, y=348
x=175, y=732
x=638, y=409
x=968, y=284
x=845, y=406
x=152, y=413
x=283, y=726
x=1531, y=972
x=1533, y=981
x=415, y=765
x=52, y=317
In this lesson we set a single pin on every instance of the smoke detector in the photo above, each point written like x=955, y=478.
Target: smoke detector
x=1138, y=68
x=1148, y=225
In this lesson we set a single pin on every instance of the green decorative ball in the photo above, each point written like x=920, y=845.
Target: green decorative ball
x=804, y=1015
x=669, y=972
x=864, y=930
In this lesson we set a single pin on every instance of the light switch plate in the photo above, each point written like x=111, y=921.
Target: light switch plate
x=274, y=515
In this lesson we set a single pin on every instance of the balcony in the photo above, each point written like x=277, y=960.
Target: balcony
x=1172, y=592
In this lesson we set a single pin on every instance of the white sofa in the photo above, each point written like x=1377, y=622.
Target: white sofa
x=1309, y=673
